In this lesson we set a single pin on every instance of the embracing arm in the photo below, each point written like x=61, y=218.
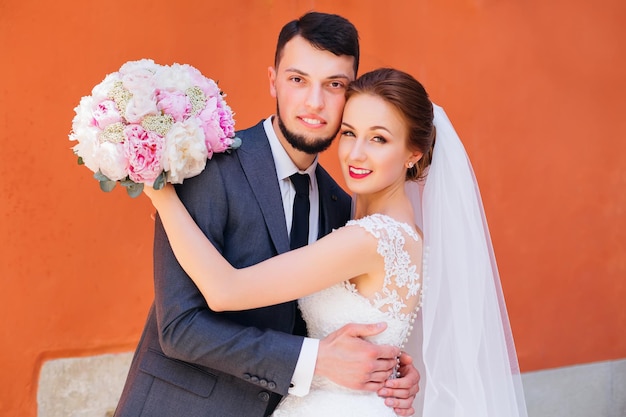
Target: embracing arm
x=240, y=344
x=351, y=361
x=346, y=253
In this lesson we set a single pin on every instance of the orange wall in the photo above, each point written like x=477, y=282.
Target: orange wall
x=536, y=90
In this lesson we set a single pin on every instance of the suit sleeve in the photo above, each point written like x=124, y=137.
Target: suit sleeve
x=188, y=329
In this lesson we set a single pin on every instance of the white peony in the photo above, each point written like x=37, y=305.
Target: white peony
x=185, y=153
x=112, y=160
x=85, y=133
x=87, y=147
x=139, y=65
x=142, y=103
x=101, y=91
x=173, y=78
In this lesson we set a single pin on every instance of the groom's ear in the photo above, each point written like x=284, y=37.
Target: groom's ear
x=271, y=74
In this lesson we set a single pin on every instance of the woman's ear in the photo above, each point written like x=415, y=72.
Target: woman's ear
x=415, y=156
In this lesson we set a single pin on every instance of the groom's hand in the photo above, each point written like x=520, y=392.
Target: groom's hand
x=348, y=360
x=399, y=393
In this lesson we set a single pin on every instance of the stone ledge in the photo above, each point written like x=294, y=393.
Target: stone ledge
x=82, y=387
x=588, y=390
x=91, y=387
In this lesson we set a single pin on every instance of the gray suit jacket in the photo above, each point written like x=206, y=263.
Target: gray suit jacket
x=191, y=361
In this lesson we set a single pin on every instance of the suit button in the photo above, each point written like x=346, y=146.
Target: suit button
x=246, y=377
x=263, y=382
x=271, y=385
x=264, y=396
x=254, y=379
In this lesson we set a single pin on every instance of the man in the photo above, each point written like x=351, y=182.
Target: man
x=192, y=361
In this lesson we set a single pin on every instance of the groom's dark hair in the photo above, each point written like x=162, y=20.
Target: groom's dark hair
x=328, y=32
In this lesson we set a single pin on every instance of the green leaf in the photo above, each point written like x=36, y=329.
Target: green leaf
x=159, y=182
x=100, y=176
x=134, y=189
x=236, y=143
x=80, y=161
x=107, y=185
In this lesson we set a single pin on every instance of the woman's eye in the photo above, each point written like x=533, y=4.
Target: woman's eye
x=379, y=139
x=347, y=133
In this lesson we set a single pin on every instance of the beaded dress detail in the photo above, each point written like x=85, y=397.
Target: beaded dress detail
x=332, y=308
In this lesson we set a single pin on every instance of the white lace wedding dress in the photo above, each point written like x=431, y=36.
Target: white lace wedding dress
x=330, y=309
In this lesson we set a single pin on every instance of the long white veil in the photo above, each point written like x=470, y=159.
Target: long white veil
x=469, y=366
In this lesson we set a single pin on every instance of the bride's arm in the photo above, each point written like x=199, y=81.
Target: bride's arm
x=346, y=253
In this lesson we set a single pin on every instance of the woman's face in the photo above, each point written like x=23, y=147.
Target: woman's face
x=373, y=148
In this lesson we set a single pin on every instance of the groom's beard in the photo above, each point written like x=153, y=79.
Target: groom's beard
x=300, y=142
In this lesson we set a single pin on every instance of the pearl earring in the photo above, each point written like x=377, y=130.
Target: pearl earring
x=410, y=165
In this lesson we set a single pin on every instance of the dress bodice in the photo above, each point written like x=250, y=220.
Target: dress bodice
x=332, y=308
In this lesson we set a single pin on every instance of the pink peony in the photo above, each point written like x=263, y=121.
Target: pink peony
x=106, y=113
x=175, y=103
x=227, y=123
x=218, y=125
x=210, y=123
x=143, y=150
x=208, y=86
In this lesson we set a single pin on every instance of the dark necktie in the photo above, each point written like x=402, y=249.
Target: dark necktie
x=299, y=235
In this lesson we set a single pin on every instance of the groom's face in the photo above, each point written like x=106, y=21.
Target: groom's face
x=309, y=86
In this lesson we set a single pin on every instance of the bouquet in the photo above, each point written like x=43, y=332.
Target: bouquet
x=151, y=124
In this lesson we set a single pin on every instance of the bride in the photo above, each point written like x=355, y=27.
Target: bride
x=416, y=249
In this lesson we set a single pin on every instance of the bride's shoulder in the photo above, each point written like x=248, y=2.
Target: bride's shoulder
x=378, y=221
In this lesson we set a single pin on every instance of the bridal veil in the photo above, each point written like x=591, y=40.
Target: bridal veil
x=470, y=366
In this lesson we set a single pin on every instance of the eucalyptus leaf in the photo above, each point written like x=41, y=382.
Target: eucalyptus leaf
x=100, y=176
x=236, y=143
x=107, y=185
x=159, y=182
x=134, y=189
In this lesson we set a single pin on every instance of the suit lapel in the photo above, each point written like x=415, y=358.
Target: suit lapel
x=258, y=165
x=330, y=211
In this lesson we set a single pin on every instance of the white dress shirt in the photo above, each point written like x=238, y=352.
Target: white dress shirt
x=305, y=367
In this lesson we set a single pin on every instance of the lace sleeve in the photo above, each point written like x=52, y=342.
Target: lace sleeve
x=400, y=295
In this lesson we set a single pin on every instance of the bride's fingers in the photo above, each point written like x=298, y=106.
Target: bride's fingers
x=403, y=384
x=402, y=406
x=398, y=393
